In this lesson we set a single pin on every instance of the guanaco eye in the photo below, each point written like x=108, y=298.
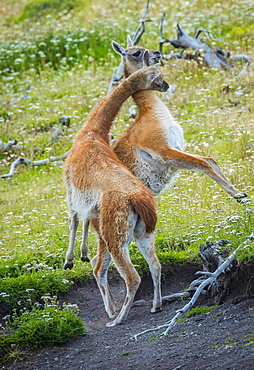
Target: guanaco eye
x=136, y=54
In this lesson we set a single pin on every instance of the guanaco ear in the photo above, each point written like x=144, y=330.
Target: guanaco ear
x=118, y=48
x=146, y=58
x=152, y=158
x=129, y=42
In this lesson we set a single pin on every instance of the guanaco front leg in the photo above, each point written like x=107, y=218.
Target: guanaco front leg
x=213, y=164
x=74, y=221
x=208, y=166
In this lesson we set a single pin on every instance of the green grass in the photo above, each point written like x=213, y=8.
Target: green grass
x=250, y=341
x=56, y=50
x=35, y=9
x=68, y=62
x=47, y=327
x=201, y=310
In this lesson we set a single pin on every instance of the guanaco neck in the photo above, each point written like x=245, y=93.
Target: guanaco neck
x=146, y=100
x=101, y=118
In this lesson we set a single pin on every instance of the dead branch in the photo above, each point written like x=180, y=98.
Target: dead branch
x=30, y=163
x=25, y=96
x=11, y=145
x=213, y=57
x=209, y=281
x=65, y=122
x=116, y=77
x=165, y=299
x=162, y=40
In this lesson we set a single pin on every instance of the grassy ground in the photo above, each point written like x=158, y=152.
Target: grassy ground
x=67, y=60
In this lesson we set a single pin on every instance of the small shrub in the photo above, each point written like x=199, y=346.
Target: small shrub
x=47, y=327
x=39, y=328
x=10, y=352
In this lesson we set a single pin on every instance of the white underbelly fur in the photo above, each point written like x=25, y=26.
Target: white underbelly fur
x=86, y=203
x=153, y=177
x=172, y=130
x=158, y=178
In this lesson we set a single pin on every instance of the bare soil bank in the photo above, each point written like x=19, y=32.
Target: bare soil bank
x=216, y=340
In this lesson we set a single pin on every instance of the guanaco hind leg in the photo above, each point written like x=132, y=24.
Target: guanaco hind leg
x=84, y=245
x=145, y=243
x=119, y=253
x=120, y=256
x=74, y=221
x=100, y=264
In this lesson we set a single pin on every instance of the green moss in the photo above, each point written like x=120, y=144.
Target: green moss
x=199, y=310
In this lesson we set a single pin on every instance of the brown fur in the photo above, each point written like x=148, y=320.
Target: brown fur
x=100, y=186
x=155, y=130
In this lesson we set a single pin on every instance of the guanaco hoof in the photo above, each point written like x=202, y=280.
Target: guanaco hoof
x=68, y=265
x=239, y=197
x=112, y=323
x=157, y=309
x=85, y=259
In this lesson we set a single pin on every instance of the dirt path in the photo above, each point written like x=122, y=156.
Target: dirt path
x=216, y=340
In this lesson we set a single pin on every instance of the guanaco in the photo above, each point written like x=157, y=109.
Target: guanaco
x=99, y=186
x=153, y=147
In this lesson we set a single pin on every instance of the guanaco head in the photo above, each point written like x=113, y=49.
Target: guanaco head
x=135, y=57
x=148, y=78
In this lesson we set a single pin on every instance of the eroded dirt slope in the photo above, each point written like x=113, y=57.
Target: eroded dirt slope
x=216, y=340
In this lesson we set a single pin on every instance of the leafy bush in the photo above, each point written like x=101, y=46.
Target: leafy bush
x=36, y=9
